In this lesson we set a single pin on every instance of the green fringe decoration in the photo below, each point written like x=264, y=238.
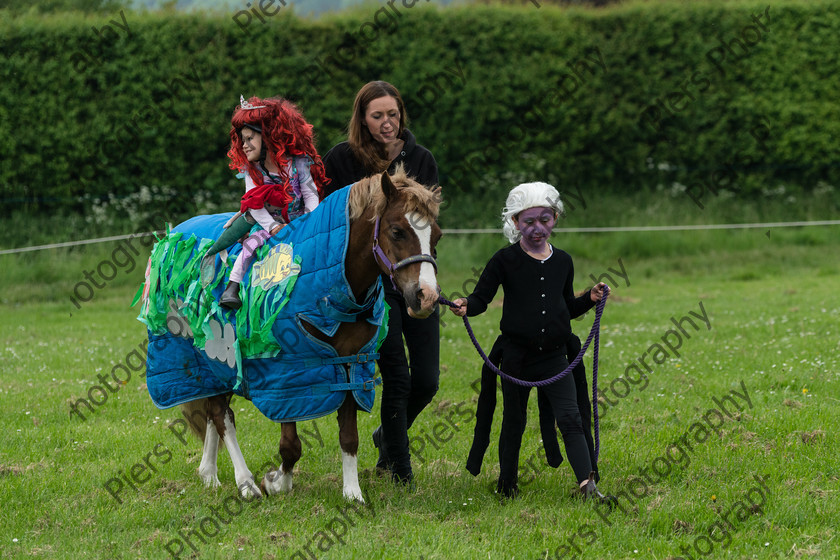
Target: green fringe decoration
x=178, y=257
x=255, y=319
x=383, y=331
x=175, y=276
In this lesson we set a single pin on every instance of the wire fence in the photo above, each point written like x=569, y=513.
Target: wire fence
x=757, y=225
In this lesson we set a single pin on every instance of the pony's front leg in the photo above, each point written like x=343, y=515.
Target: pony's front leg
x=223, y=420
x=348, y=438
x=280, y=480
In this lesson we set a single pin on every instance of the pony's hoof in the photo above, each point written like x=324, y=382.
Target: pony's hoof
x=210, y=480
x=275, y=482
x=249, y=490
x=354, y=494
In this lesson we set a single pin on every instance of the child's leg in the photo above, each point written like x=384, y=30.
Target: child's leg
x=583, y=399
x=514, y=417
x=238, y=271
x=231, y=235
x=230, y=297
x=563, y=397
x=585, y=409
x=249, y=247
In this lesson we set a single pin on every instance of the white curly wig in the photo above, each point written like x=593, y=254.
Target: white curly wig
x=524, y=196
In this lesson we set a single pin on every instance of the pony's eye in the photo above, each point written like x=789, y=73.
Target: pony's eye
x=397, y=234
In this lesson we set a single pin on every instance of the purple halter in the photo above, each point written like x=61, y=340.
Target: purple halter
x=378, y=253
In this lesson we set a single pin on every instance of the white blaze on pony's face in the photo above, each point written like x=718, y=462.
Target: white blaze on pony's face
x=410, y=235
x=427, y=291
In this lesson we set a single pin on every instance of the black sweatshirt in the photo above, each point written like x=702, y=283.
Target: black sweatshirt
x=344, y=169
x=539, y=302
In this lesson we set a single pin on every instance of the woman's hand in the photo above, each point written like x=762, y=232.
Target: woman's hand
x=597, y=292
x=460, y=308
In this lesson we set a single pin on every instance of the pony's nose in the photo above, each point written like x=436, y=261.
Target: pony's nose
x=427, y=297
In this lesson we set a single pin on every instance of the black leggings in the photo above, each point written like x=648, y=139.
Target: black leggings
x=562, y=395
x=408, y=384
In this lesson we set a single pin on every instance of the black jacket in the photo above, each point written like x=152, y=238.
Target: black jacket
x=344, y=169
x=539, y=302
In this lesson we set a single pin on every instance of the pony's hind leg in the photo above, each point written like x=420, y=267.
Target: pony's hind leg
x=348, y=438
x=280, y=480
x=222, y=420
x=197, y=414
x=207, y=470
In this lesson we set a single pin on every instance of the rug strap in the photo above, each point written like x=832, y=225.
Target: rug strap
x=354, y=359
x=369, y=385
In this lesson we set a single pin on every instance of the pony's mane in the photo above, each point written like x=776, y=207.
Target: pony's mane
x=367, y=193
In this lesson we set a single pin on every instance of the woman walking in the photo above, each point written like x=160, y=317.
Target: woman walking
x=378, y=140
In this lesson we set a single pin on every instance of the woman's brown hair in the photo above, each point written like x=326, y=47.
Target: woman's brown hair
x=367, y=150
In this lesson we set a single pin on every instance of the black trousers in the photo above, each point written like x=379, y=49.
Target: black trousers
x=487, y=404
x=410, y=382
x=562, y=396
x=573, y=347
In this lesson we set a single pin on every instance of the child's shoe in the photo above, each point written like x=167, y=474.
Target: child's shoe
x=230, y=297
x=590, y=492
x=507, y=489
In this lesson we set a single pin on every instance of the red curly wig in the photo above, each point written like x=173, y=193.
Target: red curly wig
x=285, y=133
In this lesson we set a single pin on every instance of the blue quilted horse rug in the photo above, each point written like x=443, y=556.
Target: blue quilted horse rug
x=198, y=349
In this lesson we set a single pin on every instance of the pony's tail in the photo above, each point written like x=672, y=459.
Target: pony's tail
x=196, y=414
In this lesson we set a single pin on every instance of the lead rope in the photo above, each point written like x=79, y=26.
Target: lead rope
x=594, y=334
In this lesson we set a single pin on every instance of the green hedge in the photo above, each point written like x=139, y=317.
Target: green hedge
x=491, y=90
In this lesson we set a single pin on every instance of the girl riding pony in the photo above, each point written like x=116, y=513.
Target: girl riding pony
x=273, y=148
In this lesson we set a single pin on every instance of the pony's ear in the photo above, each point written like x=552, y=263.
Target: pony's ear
x=388, y=188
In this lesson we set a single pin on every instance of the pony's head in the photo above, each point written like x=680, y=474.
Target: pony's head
x=406, y=213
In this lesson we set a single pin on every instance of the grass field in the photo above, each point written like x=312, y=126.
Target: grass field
x=739, y=426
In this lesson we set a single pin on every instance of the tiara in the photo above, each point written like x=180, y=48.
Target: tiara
x=247, y=106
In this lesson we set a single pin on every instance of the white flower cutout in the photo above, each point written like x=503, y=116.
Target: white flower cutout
x=220, y=348
x=175, y=322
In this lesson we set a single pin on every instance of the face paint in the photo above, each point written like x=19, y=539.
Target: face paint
x=535, y=224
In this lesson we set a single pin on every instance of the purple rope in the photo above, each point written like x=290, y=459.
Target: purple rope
x=594, y=334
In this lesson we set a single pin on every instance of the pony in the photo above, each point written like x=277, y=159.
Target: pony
x=391, y=230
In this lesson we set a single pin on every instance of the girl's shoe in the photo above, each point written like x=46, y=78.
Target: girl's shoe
x=590, y=492
x=507, y=489
x=230, y=297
